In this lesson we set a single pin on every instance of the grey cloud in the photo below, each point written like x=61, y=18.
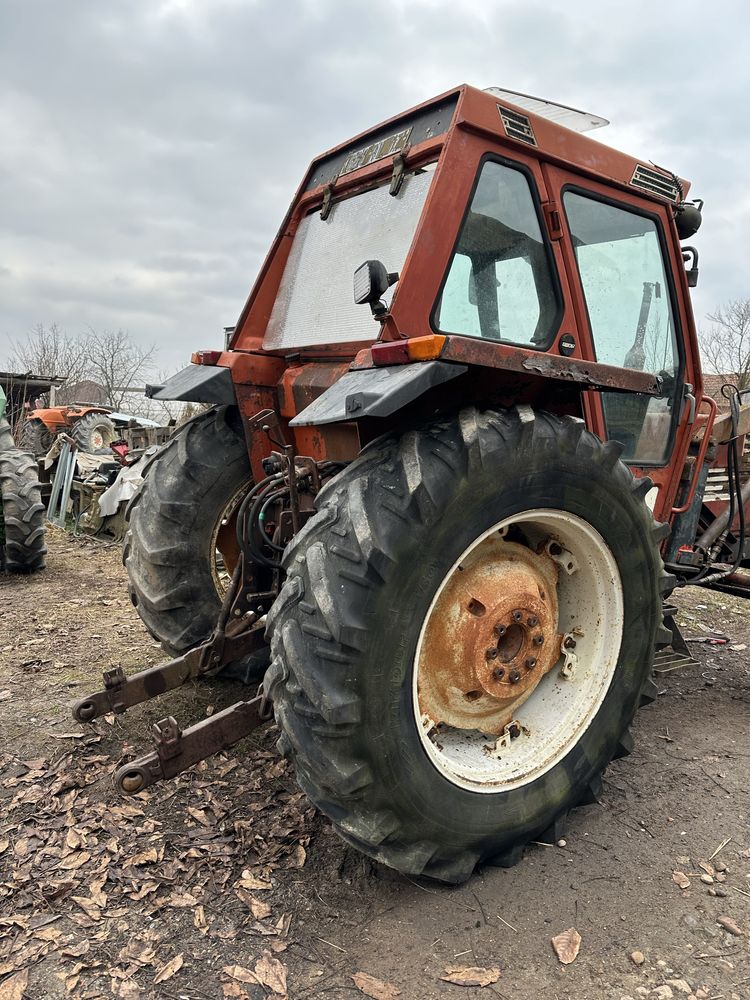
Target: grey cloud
x=150, y=149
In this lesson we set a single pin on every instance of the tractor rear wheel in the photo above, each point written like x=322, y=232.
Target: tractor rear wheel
x=93, y=432
x=466, y=628
x=36, y=437
x=180, y=548
x=23, y=513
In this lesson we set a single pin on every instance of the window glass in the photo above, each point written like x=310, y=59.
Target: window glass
x=315, y=304
x=630, y=312
x=499, y=285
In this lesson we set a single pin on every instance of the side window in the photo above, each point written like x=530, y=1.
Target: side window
x=630, y=312
x=500, y=285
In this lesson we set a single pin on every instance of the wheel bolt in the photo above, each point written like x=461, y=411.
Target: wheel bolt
x=498, y=673
x=530, y=662
x=514, y=677
x=499, y=629
x=538, y=640
x=491, y=653
x=517, y=616
x=532, y=621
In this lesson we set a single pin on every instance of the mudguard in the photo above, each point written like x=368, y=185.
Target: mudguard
x=375, y=392
x=197, y=384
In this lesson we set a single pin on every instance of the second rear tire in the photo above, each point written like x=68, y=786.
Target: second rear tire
x=192, y=484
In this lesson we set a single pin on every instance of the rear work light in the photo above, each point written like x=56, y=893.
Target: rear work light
x=401, y=352
x=205, y=357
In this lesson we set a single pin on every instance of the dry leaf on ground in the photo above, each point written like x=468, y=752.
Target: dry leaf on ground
x=375, y=988
x=14, y=988
x=249, y=881
x=271, y=973
x=148, y=857
x=166, y=971
x=470, y=975
x=681, y=879
x=567, y=945
x=241, y=974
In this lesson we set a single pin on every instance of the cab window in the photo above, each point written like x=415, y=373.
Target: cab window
x=500, y=284
x=624, y=282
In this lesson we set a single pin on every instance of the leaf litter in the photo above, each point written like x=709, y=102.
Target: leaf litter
x=102, y=888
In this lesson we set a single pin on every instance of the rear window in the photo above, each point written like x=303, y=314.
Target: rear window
x=315, y=303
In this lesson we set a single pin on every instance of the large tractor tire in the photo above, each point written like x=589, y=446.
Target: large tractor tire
x=23, y=513
x=36, y=437
x=416, y=671
x=93, y=432
x=180, y=548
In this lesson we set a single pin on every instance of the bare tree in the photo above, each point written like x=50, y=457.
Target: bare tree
x=117, y=364
x=726, y=345
x=48, y=350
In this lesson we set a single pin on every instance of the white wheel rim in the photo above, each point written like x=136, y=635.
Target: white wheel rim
x=559, y=710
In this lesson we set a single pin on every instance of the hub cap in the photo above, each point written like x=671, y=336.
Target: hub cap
x=517, y=650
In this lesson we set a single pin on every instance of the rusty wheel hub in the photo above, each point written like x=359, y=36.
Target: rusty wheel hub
x=490, y=637
x=517, y=650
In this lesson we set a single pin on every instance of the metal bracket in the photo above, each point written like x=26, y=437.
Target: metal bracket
x=511, y=732
x=567, y=645
x=176, y=749
x=325, y=209
x=167, y=738
x=399, y=169
x=561, y=556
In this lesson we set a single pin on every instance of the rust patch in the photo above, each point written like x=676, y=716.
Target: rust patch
x=477, y=668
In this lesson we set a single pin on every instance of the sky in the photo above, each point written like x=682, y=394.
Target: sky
x=149, y=148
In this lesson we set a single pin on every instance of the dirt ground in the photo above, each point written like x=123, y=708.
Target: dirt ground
x=226, y=883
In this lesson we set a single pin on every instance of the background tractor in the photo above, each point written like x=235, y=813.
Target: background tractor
x=448, y=508
x=89, y=426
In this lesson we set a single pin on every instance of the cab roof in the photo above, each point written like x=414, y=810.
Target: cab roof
x=554, y=131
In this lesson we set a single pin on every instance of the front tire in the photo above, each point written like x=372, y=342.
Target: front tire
x=364, y=576
x=36, y=437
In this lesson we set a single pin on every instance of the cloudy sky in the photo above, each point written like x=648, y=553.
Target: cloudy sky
x=149, y=148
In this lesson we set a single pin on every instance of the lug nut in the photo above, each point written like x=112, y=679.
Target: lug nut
x=498, y=673
x=491, y=653
x=538, y=640
x=514, y=677
x=532, y=620
x=530, y=662
x=517, y=616
x=499, y=629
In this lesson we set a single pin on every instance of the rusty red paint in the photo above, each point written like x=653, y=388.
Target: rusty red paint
x=495, y=614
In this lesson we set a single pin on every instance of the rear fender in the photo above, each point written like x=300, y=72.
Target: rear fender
x=375, y=392
x=197, y=384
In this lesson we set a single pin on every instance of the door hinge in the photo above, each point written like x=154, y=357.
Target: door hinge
x=552, y=218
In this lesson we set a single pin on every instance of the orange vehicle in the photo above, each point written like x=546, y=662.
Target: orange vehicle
x=88, y=425
x=453, y=468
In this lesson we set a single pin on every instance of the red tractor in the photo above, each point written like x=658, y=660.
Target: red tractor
x=440, y=516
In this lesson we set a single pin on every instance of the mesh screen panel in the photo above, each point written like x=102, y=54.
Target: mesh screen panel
x=315, y=303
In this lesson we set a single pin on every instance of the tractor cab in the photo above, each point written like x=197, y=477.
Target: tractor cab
x=522, y=258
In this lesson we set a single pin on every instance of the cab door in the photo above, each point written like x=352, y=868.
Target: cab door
x=620, y=266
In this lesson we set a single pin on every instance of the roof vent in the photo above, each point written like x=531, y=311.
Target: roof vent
x=656, y=183
x=517, y=126
x=561, y=114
